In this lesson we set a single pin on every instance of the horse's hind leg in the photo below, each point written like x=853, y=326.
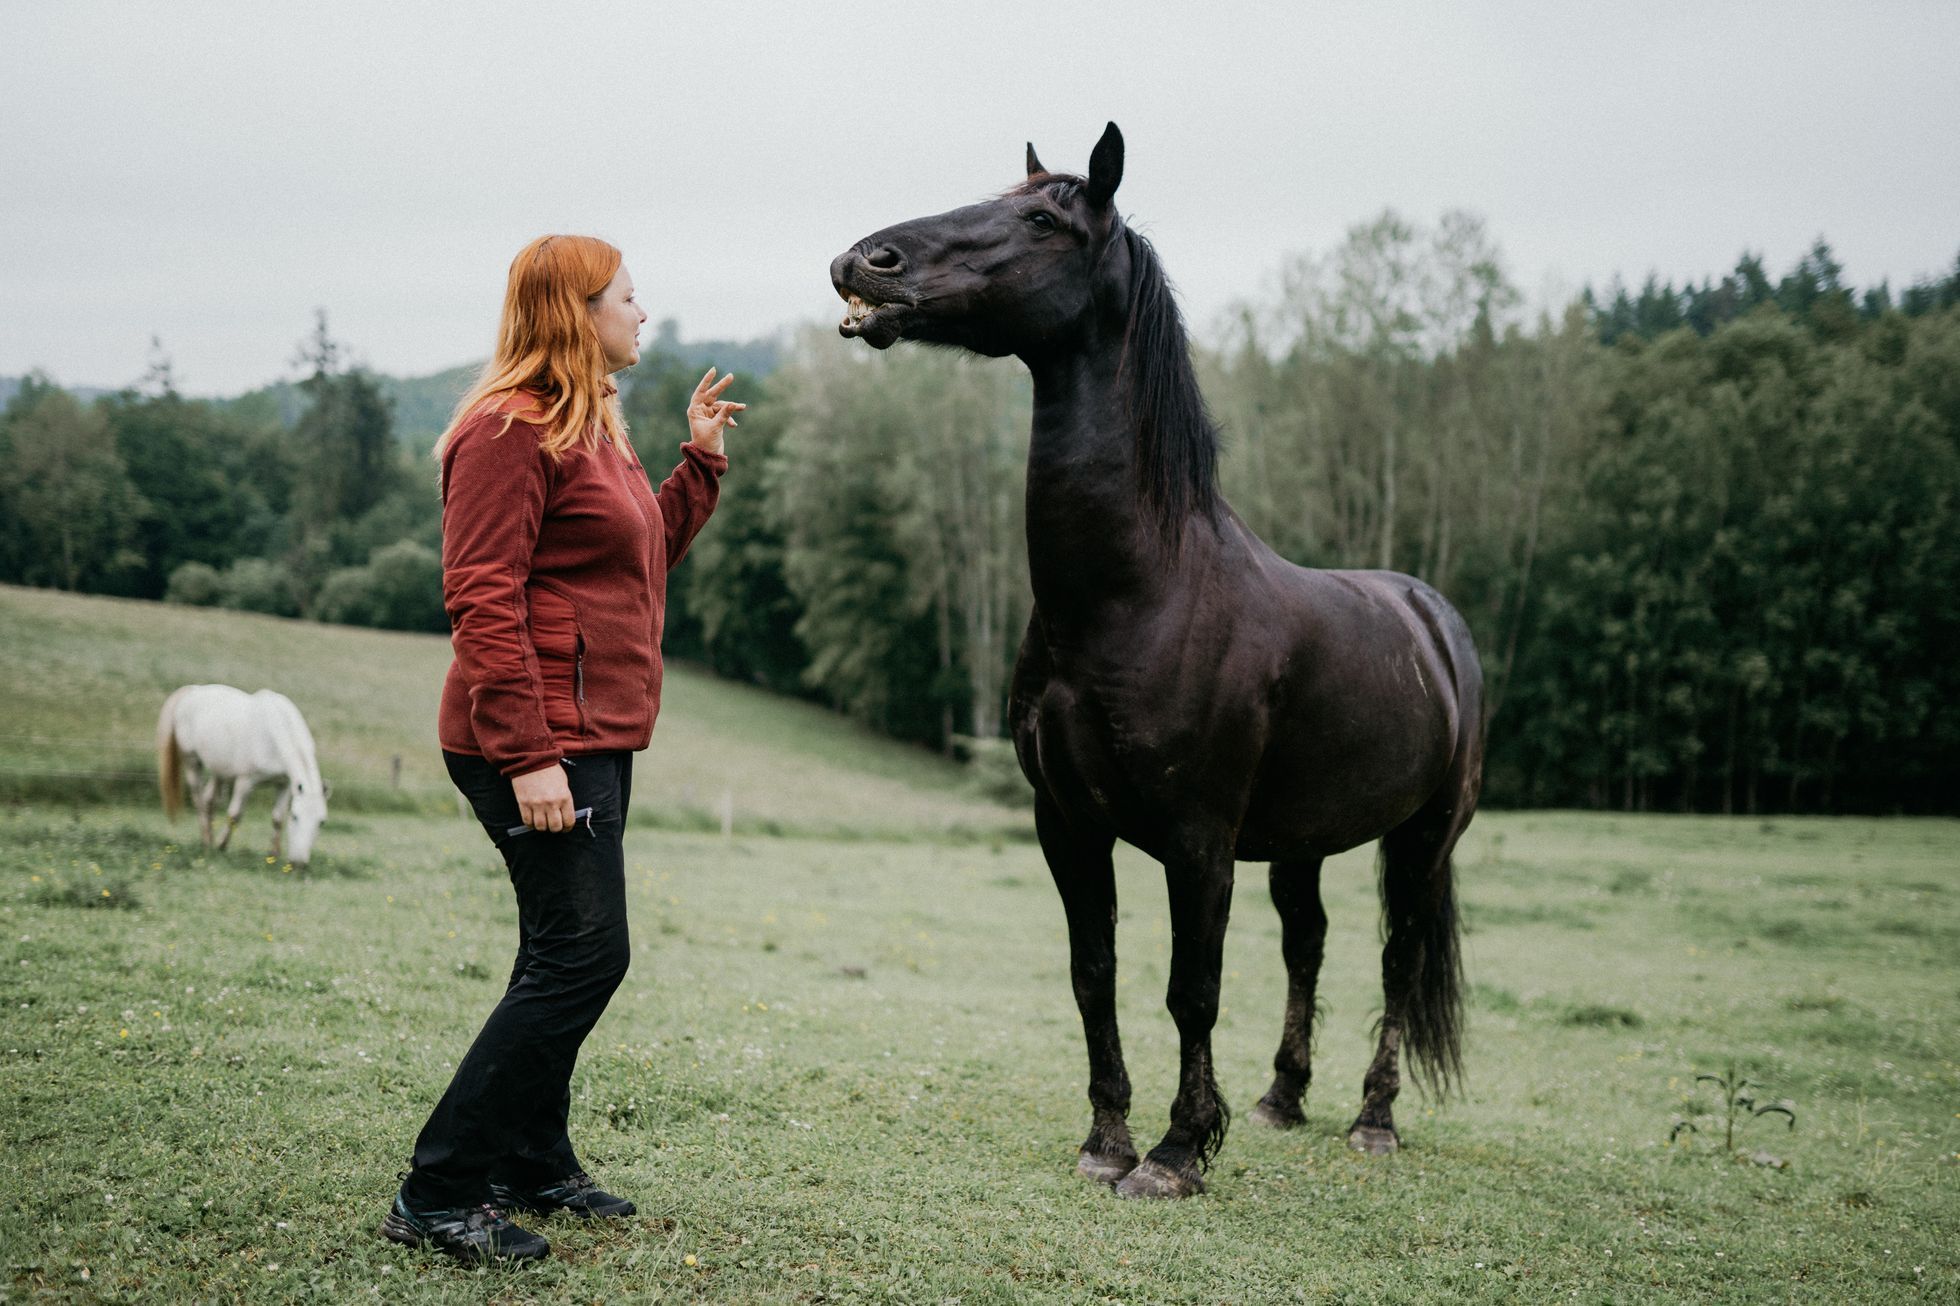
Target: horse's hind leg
x=1303, y=938
x=204, y=792
x=1086, y=879
x=1201, y=901
x=1421, y=978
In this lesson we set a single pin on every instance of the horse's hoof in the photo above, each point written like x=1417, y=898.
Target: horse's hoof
x=1373, y=1139
x=1278, y=1117
x=1153, y=1180
x=1104, y=1169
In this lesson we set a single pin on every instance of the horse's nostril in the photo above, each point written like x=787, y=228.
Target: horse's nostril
x=886, y=259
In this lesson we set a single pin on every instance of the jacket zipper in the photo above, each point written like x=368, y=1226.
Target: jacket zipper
x=578, y=679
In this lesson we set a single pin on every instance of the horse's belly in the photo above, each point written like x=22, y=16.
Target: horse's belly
x=1319, y=824
x=1318, y=802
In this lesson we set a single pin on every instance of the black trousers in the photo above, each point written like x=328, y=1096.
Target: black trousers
x=503, y=1116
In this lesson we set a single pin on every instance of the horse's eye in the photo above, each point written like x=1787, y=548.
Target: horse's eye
x=1041, y=222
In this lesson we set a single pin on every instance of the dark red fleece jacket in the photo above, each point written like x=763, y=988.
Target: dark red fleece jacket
x=554, y=574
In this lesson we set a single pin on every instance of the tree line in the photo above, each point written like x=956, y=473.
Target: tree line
x=1705, y=536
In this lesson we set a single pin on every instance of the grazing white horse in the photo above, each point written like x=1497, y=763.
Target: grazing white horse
x=209, y=733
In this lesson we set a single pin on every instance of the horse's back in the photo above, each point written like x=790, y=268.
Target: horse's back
x=205, y=710
x=228, y=730
x=1339, y=623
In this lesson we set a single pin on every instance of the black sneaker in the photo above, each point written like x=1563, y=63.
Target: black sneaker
x=575, y=1193
x=473, y=1234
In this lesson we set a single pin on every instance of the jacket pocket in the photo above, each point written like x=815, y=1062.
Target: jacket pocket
x=558, y=635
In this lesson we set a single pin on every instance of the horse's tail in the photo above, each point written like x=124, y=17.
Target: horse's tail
x=1425, y=960
x=170, y=762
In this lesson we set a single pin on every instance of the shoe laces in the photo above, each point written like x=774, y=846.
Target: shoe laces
x=486, y=1215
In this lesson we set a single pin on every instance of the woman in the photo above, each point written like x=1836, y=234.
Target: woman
x=555, y=553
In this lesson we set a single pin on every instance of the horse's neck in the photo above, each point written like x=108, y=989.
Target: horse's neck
x=1090, y=538
x=294, y=744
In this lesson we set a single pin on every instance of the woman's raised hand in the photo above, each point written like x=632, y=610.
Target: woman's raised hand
x=708, y=413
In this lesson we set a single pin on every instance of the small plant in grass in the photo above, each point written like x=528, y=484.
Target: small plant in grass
x=1874, y=1175
x=1737, y=1102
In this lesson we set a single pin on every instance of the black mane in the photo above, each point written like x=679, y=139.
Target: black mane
x=1177, y=444
x=1063, y=186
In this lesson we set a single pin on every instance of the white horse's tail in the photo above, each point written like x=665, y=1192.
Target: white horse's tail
x=170, y=762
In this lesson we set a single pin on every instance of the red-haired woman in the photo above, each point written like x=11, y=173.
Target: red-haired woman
x=555, y=553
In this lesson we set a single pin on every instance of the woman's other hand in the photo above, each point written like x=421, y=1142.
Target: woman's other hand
x=708, y=414
x=544, y=799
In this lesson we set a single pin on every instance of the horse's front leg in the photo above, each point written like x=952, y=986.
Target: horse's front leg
x=280, y=811
x=1201, y=901
x=1086, y=878
x=241, y=789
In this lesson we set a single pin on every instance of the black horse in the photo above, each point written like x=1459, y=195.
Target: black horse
x=1181, y=686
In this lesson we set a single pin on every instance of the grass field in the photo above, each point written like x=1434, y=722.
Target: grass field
x=848, y=1068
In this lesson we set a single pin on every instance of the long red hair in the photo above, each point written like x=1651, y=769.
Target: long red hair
x=547, y=346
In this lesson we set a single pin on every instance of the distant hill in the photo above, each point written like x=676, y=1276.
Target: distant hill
x=10, y=386
x=752, y=358
x=423, y=403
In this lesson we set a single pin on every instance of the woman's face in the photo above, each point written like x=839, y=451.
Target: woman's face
x=616, y=315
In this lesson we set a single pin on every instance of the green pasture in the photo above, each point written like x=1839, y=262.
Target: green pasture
x=90, y=674
x=847, y=1065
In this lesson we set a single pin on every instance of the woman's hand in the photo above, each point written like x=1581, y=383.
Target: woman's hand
x=708, y=413
x=544, y=799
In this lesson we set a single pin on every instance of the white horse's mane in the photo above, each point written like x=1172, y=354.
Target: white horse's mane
x=292, y=738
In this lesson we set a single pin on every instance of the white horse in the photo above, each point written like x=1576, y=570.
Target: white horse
x=209, y=733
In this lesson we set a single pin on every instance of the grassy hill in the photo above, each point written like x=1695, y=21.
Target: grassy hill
x=79, y=723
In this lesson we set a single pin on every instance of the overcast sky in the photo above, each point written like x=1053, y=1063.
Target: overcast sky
x=210, y=173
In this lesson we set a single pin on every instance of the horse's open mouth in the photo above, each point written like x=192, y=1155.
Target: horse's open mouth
x=862, y=321
x=857, y=311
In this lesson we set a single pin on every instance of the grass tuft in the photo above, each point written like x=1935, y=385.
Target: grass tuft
x=111, y=892
x=1600, y=1016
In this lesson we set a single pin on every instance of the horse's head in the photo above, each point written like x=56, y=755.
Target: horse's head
x=1002, y=277
x=309, y=798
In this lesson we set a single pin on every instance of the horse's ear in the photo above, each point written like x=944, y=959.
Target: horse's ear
x=1034, y=164
x=1106, y=166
